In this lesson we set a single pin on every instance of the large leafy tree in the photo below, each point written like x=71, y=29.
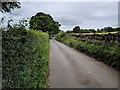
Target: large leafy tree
x=76, y=29
x=45, y=23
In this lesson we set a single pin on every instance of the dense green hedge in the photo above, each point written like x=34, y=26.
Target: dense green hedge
x=106, y=53
x=25, y=58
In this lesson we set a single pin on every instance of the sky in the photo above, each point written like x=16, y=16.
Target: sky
x=87, y=15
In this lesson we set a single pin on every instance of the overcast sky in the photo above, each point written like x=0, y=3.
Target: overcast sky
x=69, y=14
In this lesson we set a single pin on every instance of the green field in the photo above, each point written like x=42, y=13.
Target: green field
x=95, y=33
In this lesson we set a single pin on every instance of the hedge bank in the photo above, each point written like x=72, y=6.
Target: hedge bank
x=25, y=56
x=106, y=53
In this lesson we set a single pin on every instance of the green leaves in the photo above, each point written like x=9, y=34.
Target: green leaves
x=45, y=23
x=25, y=59
x=8, y=6
x=76, y=29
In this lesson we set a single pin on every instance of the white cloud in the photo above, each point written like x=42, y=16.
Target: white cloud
x=86, y=14
x=69, y=0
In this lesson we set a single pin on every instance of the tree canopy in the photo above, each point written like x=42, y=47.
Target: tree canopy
x=45, y=23
x=76, y=29
x=8, y=6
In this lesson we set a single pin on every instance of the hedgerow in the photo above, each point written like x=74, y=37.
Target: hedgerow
x=109, y=54
x=25, y=56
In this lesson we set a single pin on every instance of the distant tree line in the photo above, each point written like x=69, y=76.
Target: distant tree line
x=108, y=29
x=77, y=29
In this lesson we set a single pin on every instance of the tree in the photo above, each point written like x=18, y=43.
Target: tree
x=8, y=6
x=117, y=29
x=98, y=30
x=93, y=31
x=45, y=23
x=76, y=29
x=108, y=29
x=68, y=31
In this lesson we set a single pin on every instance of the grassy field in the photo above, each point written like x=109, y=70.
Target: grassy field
x=25, y=58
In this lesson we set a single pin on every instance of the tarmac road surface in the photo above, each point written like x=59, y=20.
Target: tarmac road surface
x=72, y=69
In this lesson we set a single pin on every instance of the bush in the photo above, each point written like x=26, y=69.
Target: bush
x=106, y=53
x=25, y=58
